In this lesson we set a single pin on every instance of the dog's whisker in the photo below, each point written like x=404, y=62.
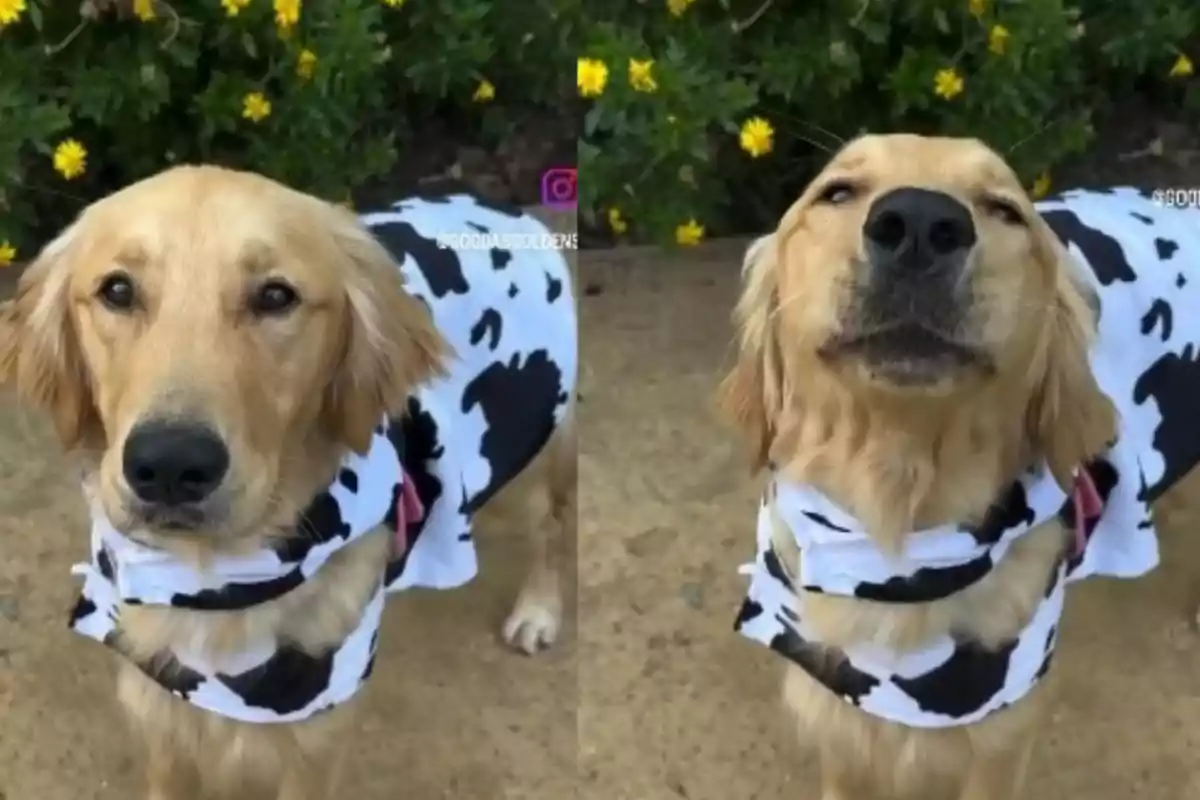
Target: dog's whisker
x=802, y=137
x=83, y=201
x=1044, y=128
x=840, y=141
x=814, y=126
x=786, y=122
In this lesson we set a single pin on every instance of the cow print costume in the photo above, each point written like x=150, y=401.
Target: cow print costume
x=510, y=319
x=1140, y=257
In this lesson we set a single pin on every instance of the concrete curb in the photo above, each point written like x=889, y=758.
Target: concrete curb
x=558, y=220
x=723, y=250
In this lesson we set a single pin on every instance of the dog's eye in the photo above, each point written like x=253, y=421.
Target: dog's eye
x=118, y=292
x=1004, y=211
x=837, y=193
x=274, y=298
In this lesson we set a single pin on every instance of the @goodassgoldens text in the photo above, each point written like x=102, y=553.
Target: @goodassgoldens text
x=476, y=240
x=1179, y=197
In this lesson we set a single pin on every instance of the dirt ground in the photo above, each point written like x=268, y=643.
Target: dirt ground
x=652, y=696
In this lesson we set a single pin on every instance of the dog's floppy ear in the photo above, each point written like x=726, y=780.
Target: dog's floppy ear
x=752, y=395
x=391, y=343
x=1070, y=419
x=39, y=348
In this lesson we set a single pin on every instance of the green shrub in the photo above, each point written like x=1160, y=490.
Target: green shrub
x=690, y=86
x=321, y=95
x=689, y=83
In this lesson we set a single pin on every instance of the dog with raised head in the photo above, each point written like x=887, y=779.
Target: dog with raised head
x=282, y=412
x=965, y=402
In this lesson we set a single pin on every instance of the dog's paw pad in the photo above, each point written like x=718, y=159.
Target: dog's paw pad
x=533, y=625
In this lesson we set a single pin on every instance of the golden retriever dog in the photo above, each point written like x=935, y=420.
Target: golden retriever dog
x=222, y=353
x=917, y=361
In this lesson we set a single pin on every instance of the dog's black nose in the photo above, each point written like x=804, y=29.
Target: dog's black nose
x=173, y=463
x=918, y=231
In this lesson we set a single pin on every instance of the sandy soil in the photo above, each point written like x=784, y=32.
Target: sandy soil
x=653, y=697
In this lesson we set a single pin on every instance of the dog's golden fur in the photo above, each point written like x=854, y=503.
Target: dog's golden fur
x=288, y=394
x=903, y=459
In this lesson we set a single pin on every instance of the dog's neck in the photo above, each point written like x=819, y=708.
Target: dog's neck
x=904, y=465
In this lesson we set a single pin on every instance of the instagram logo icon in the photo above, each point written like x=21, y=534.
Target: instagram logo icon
x=558, y=187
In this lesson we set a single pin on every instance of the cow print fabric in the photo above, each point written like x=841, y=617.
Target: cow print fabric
x=1146, y=358
x=509, y=317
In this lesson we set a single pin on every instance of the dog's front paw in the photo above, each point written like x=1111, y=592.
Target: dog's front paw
x=534, y=622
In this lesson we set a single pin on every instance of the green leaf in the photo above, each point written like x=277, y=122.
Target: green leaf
x=875, y=31
x=592, y=120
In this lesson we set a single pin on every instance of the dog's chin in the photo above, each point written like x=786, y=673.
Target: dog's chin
x=201, y=523
x=174, y=520
x=908, y=358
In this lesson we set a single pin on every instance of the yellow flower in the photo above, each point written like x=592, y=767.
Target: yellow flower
x=757, y=137
x=287, y=14
x=591, y=77
x=947, y=84
x=1182, y=67
x=977, y=7
x=677, y=7
x=616, y=221
x=689, y=233
x=7, y=253
x=306, y=62
x=10, y=11
x=256, y=107
x=998, y=38
x=484, y=91
x=70, y=159
x=641, y=76
x=144, y=10
x=233, y=7
x=1041, y=186
x=393, y=3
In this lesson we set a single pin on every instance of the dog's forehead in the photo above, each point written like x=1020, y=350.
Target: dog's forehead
x=922, y=160
x=207, y=221
x=187, y=199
